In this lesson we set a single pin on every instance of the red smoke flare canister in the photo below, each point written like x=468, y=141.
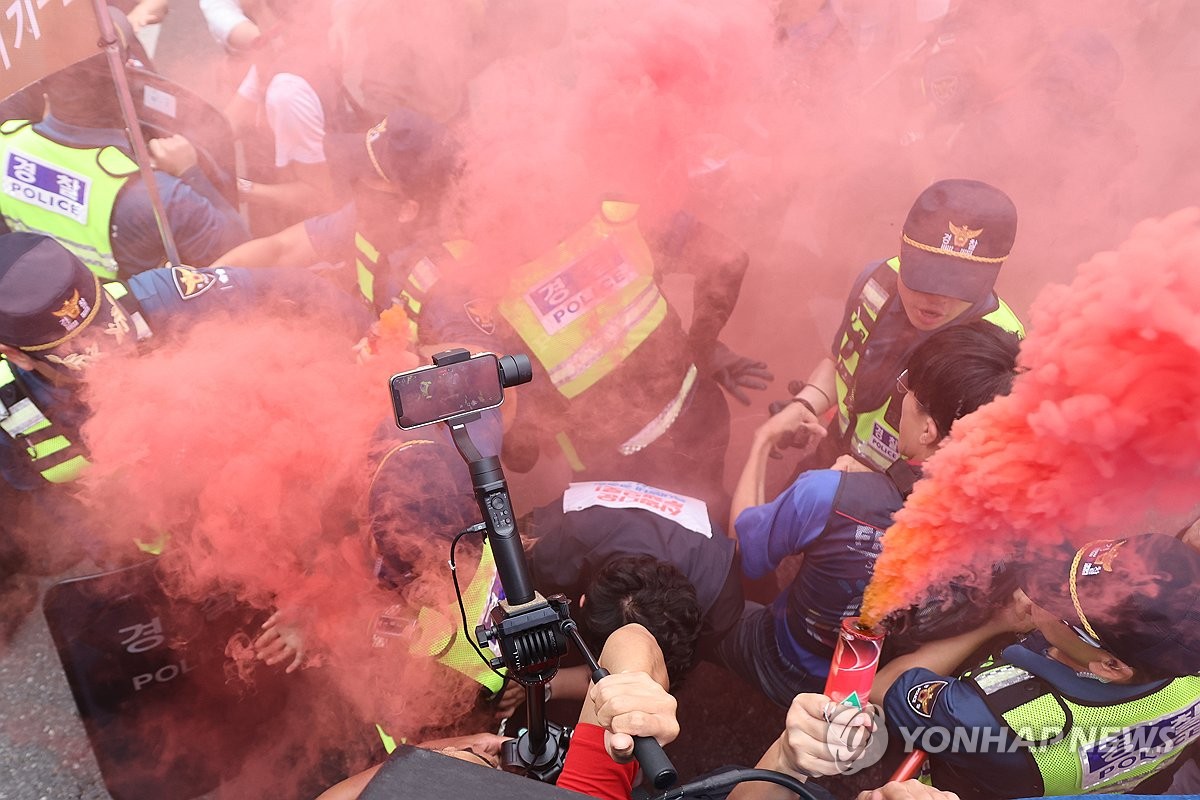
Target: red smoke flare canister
x=855, y=660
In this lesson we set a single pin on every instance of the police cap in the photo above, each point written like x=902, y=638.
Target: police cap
x=47, y=295
x=407, y=149
x=957, y=235
x=1138, y=597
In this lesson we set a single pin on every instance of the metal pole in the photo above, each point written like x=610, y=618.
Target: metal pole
x=112, y=48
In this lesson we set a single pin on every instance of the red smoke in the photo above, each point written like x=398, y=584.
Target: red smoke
x=248, y=446
x=631, y=100
x=1099, y=437
x=247, y=442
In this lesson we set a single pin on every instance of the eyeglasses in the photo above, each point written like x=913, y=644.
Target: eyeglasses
x=1083, y=635
x=902, y=388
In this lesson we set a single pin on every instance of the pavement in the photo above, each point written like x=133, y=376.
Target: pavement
x=44, y=753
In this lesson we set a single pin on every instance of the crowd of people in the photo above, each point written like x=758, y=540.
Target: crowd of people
x=1051, y=673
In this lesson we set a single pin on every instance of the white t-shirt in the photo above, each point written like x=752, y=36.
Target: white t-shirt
x=294, y=114
x=222, y=17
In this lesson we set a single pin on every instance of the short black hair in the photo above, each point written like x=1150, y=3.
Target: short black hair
x=652, y=593
x=961, y=368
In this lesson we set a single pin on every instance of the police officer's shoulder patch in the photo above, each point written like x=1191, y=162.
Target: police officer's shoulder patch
x=922, y=697
x=190, y=282
x=480, y=312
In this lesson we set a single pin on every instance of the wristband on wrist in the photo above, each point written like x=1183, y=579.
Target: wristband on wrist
x=806, y=404
x=828, y=399
x=245, y=186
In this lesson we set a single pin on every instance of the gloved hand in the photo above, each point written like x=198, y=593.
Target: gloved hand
x=736, y=373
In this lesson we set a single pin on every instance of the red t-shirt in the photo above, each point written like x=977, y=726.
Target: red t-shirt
x=589, y=769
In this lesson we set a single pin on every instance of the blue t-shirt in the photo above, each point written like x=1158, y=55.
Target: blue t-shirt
x=788, y=524
x=332, y=235
x=836, y=519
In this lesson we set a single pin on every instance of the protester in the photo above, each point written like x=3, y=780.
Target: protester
x=836, y=519
x=289, y=99
x=625, y=552
x=230, y=25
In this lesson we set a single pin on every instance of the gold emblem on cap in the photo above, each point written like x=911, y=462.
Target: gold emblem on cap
x=70, y=307
x=1106, y=558
x=74, y=317
x=963, y=234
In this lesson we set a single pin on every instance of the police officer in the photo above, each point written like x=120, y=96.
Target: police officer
x=58, y=319
x=72, y=176
x=622, y=387
x=1103, y=697
x=957, y=235
x=399, y=171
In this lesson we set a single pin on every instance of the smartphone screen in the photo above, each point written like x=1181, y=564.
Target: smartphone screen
x=435, y=394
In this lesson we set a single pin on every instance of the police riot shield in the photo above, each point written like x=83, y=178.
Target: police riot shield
x=165, y=108
x=149, y=676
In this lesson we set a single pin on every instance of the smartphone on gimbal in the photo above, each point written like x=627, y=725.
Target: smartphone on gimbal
x=436, y=393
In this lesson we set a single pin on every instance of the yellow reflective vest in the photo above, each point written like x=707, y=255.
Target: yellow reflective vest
x=1084, y=747
x=582, y=308
x=873, y=434
x=370, y=264
x=64, y=192
x=54, y=456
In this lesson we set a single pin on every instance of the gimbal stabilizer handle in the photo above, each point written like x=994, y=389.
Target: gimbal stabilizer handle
x=646, y=749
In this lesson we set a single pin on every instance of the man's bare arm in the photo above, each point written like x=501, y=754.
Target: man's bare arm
x=291, y=247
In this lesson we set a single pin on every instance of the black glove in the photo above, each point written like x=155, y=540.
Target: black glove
x=736, y=373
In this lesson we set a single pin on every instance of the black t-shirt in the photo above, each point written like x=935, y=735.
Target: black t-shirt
x=566, y=549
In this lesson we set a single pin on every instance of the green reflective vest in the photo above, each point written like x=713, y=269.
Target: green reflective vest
x=442, y=639
x=64, y=192
x=439, y=636
x=583, y=307
x=1081, y=747
x=54, y=456
x=418, y=282
x=874, y=433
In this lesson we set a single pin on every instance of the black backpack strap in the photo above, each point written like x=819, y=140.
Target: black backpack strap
x=903, y=476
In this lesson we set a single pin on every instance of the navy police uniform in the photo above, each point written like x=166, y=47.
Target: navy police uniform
x=53, y=308
x=1025, y=725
